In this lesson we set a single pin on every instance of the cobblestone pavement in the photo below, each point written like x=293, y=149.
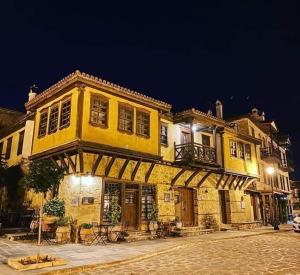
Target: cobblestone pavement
x=277, y=253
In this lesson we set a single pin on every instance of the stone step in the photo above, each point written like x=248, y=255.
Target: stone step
x=191, y=233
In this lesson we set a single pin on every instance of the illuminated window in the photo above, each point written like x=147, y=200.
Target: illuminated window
x=20, y=143
x=247, y=151
x=125, y=119
x=53, y=120
x=241, y=153
x=65, y=114
x=164, y=134
x=99, y=110
x=233, y=149
x=147, y=199
x=143, y=124
x=43, y=123
x=8, y=148
x=112, y=191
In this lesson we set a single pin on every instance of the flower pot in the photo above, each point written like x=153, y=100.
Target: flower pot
x=47, y=222
x=86, y=234
x=63, y=234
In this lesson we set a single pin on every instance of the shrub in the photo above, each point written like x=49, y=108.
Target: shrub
x=55, y=207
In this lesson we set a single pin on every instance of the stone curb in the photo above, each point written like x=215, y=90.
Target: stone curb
x=89, y=267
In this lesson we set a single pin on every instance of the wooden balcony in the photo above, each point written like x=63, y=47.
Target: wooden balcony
x=270, y=153
x=196, y=152
x=287, y=165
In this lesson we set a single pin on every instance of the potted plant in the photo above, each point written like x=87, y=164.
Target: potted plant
x=53, y=210
x=115, y=216
x=153, y=218
x=86, y=232
x=63, y=231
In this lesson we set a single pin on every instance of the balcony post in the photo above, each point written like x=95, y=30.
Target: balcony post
x=192, y=140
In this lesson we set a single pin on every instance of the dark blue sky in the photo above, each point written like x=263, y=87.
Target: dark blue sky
x=245, y=53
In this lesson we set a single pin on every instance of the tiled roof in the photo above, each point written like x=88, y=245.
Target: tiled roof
x=87, y=78
x=199, y=113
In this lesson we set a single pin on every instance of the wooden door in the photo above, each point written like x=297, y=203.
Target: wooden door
x=225, y=206
x=131, y=208
x=187, y=206
x=185, y=137
x=254, y=205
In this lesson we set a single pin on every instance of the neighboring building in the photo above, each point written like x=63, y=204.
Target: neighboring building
x=295, y=186
x=117, y=142
x=272, y=152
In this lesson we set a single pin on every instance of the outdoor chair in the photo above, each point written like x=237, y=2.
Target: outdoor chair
x=49, y=234
x=162, y=230
x=99, y=236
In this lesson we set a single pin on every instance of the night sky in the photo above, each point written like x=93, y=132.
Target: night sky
x=245, y=54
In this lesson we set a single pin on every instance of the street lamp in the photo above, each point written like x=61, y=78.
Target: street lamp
x=270, y=170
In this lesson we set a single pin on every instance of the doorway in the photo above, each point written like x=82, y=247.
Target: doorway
x=131, y=207
x=225, y=206
x=184, y=205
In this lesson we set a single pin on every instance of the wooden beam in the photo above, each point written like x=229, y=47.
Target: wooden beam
x=247, y=183
x=232, y=181
x=54, y=162
x=193, y=175
x=109, y=165
x=178, y=175
x=136, y=168
x=96, y=164
x=81, y=163
x=64, y=164
x=148, y=174
x=219, y=181
x=228, y=177
x=204, y=178
x=239, y=181
x=123, y=168
x=70, y=162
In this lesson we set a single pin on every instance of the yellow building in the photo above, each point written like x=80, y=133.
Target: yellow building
x=272, y=153
x=115, y=142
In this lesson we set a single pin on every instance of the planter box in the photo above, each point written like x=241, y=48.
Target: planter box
x=16, y=263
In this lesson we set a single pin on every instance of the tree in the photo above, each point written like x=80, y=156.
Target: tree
x=43, y=176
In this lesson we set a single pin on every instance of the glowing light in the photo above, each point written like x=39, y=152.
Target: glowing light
x=75, y=180
x=87, y=180
x=270, y=170
x=194, y=128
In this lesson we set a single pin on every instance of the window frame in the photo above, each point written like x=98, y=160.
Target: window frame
x=142, y=123
x=248, y=154
x=146, y=204
x=20, y=142
x=209, y=139
x=45, y=123
x=240, y=150
x=126, y=107
x=166, y=135
x=64, y=101
x=56, y=106
x=8, y=148
x=102, y=99
x=233, y=148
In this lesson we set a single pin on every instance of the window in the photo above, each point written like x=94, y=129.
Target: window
x=241, y=153
x=247, y=151
x=125, y=119
x=99, y=110
x=43, y=123
x=65, y=114
x=8, y=148
x=164, y=134
x=1, y=148
x=205, y=140
x=233, y=149
x=148, y=197
x=143, y=124
x=53, y=120
x=112, y=191
x=20, y=143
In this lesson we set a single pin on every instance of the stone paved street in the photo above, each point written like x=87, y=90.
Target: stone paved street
x=276, y=253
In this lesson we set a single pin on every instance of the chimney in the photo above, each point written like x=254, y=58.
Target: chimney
x=219, y=109
x=254, y=113
x=263, y=116
x=32, y=92
x=209, y=112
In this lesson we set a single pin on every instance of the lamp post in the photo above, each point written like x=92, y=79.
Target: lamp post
x=270, y=170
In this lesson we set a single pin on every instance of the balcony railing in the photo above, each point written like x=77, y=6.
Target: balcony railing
x=269, y=152
x=195, y=152
x=287, y=165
